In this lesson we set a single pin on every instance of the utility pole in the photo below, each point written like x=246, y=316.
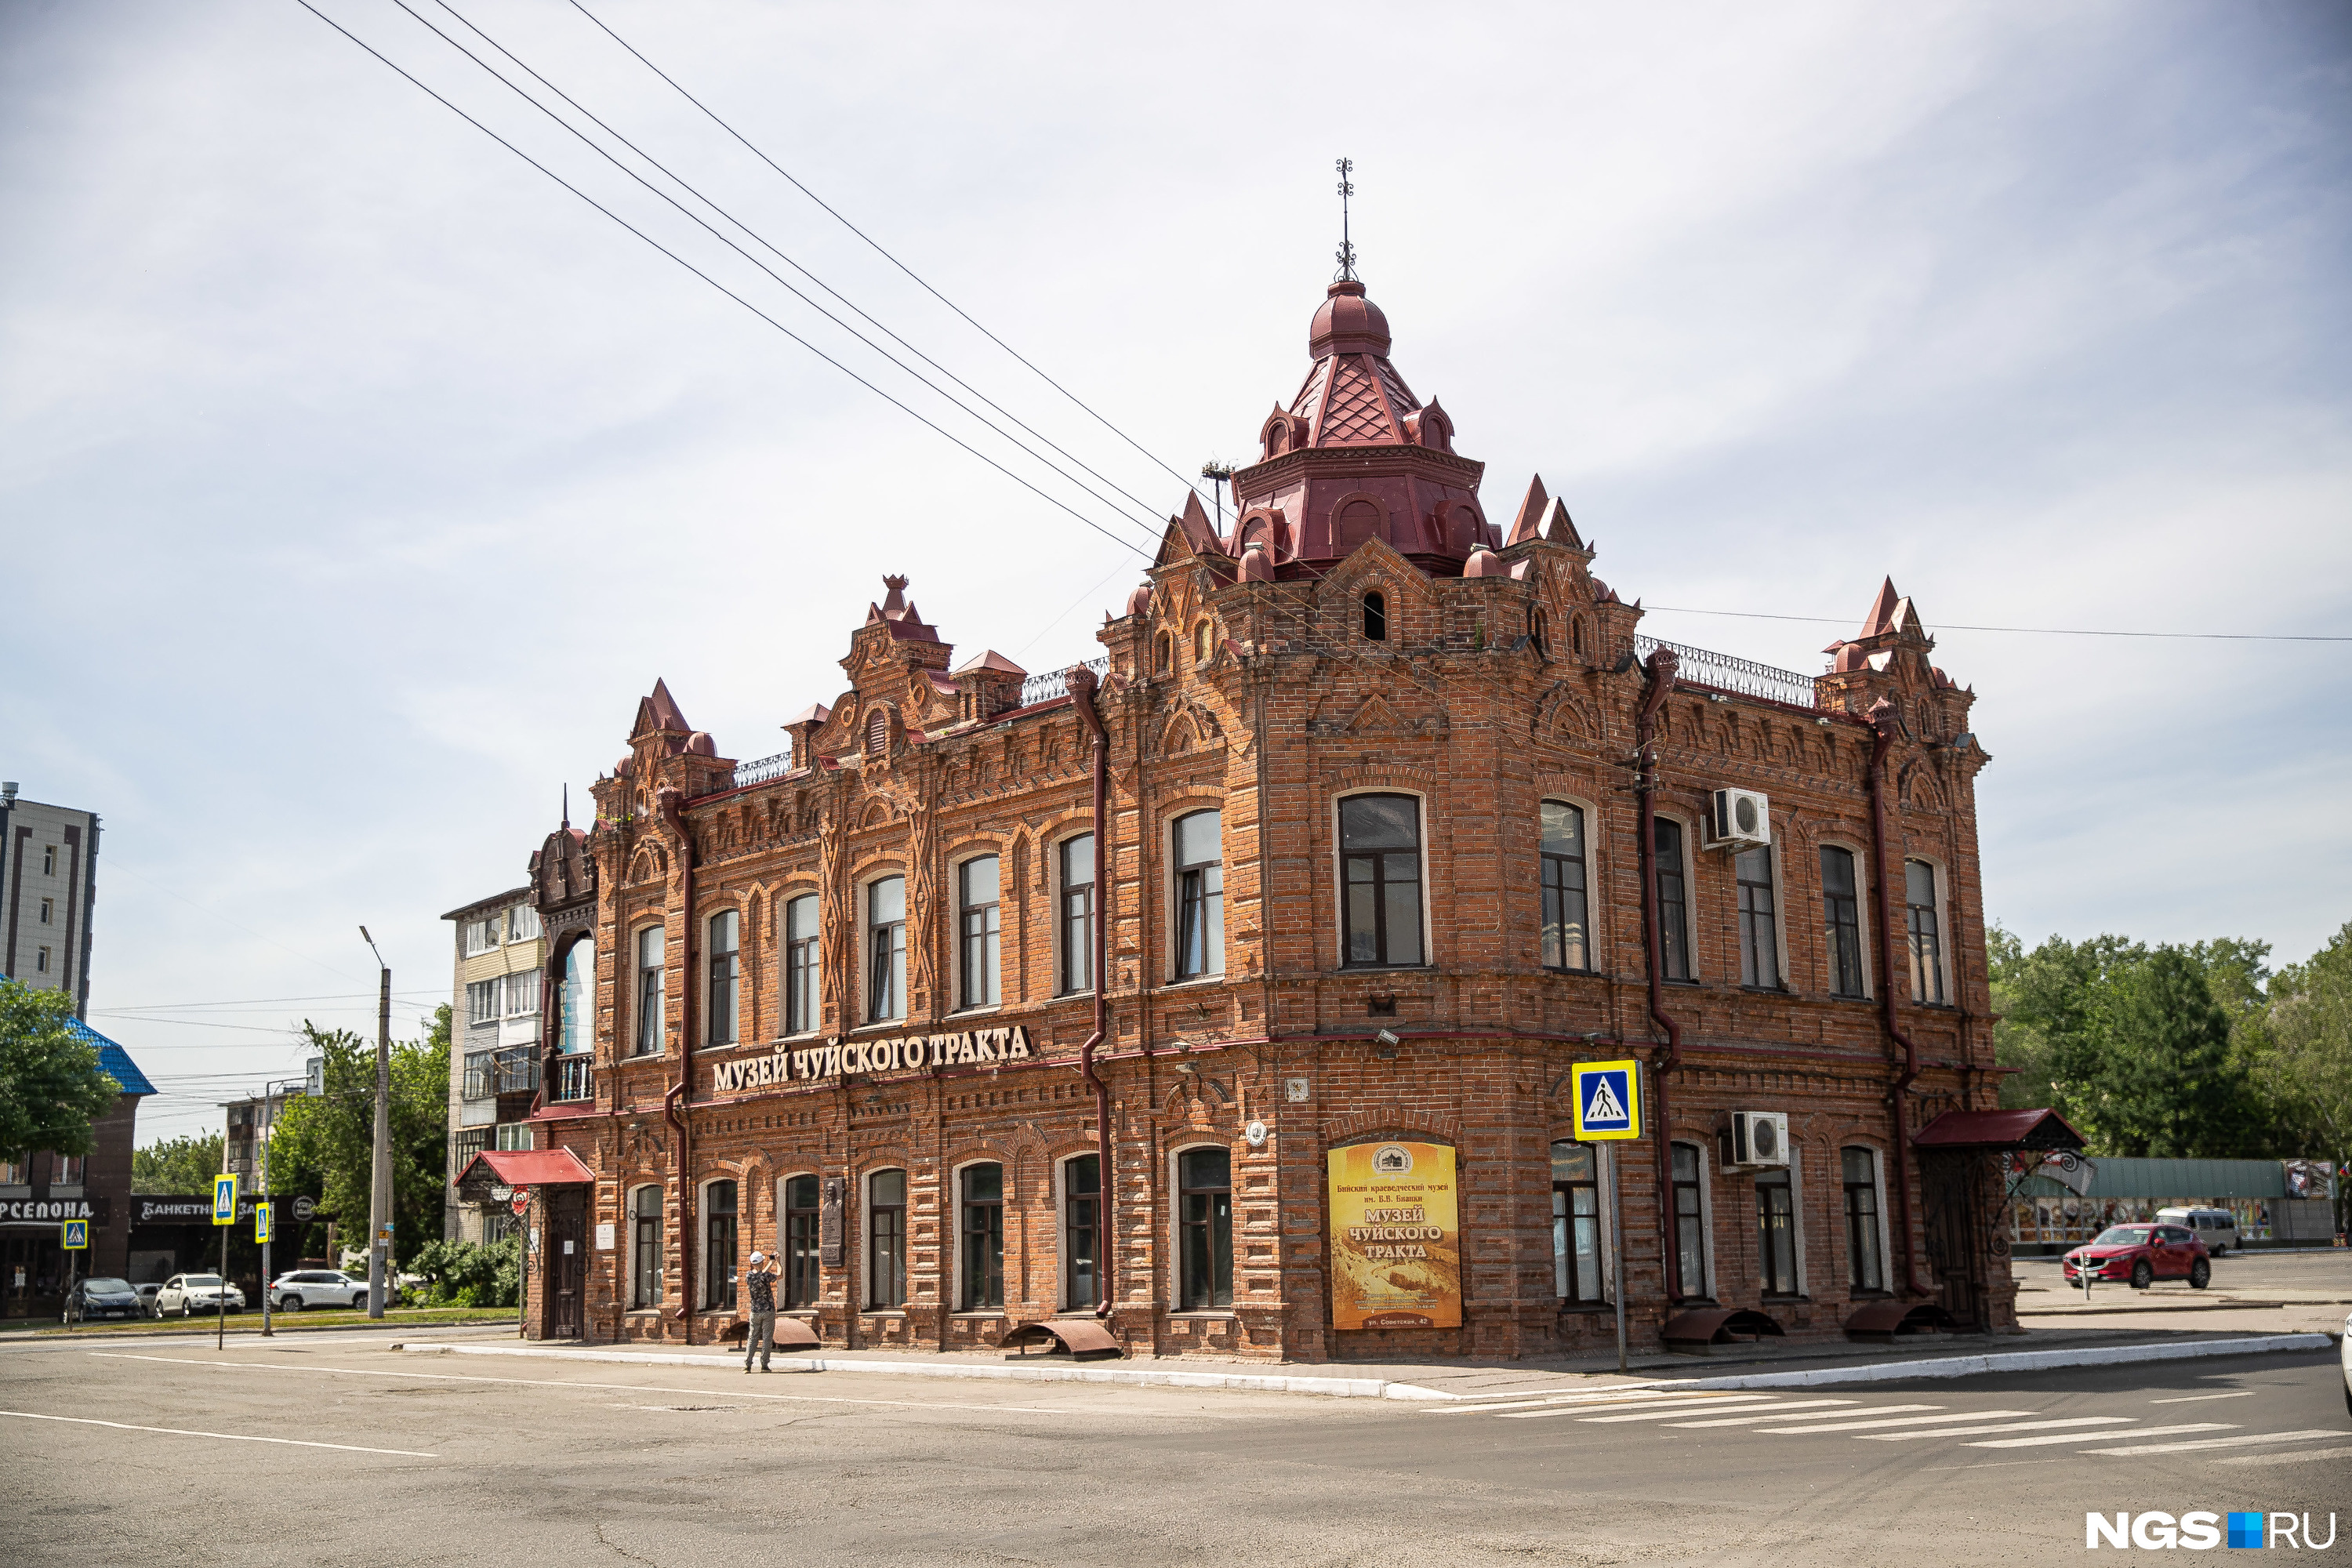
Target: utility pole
x=380, y=1188
x=270, y=1095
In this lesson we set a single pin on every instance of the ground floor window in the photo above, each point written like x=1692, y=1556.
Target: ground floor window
x=1690, y=1232
x=886, y=1239
x=645, y=1249
x=800, y=1243
x=1575, y=1223
x=1776, y=1234
x=1206, y=1215
x=718, y=1245
x=1864, y=1269
x=983, y=1236
x=1082, y=1230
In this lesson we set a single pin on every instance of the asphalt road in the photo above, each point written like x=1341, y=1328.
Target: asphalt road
x=515, y=1462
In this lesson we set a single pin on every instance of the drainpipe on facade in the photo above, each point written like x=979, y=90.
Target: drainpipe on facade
x=1082, y=695
x=1881, y=720
x=669, y=803
x=1658, y=676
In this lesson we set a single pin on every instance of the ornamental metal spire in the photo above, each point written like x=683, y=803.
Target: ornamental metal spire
x=1346, y=166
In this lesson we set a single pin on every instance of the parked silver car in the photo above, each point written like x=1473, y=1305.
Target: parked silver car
x=301, y=1288
x=191, y=1295
x=2217, y=1228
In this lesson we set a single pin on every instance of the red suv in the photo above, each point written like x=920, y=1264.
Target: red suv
x=2142, y=1253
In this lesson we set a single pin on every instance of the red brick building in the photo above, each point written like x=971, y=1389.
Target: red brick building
x=1400, y=817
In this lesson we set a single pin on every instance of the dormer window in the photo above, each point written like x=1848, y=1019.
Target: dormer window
x=877, y=733
x=1376, y=617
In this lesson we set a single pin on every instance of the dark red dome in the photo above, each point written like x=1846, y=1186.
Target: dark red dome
x=1347, y=323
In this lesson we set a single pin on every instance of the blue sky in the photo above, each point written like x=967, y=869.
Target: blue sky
x=356, y=480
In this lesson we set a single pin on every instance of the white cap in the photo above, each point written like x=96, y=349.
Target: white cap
x=759, y=1257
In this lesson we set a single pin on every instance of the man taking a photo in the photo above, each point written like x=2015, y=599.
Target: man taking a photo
x=762, y=1278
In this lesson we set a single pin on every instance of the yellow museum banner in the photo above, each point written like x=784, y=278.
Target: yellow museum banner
x=1396, y=1237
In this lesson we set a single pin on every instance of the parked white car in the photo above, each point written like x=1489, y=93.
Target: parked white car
x=2217, y=1228
x=301, y=1288
x=191, y=1295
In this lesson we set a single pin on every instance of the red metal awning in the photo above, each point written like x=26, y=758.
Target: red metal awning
x=528, y=1167
x=1998, y=1130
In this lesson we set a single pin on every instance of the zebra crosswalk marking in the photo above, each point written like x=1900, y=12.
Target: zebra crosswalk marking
x=1943, y=1420
x=1696, y=1402
x=2305, y=1457
x=1772, y=1415
x=2221, y=1442
x=1683, y=1410
x=2079, y=1436
x=2009, y=1425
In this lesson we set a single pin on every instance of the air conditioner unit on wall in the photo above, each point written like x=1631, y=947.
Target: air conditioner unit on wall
x=1757, y=1139
x=1739, y=819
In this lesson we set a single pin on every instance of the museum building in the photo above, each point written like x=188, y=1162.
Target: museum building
x=1224, y=993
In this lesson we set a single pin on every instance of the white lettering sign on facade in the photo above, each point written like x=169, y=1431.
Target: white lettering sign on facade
x=834, y=1058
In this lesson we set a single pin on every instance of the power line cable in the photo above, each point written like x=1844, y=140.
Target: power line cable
x=870, y=239
x=722, y=288
x=1152, y=525
x=2030, y=631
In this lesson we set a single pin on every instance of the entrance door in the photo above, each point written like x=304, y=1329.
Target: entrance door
x=1947, y=1191
x=567, y=1261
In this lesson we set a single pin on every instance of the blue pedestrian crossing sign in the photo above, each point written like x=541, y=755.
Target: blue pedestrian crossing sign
x=76, y=1234
x=225, y=1200
x=260, y=1222
x=1608, y=1099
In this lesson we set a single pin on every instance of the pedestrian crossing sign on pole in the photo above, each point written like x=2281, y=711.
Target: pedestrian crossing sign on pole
x=225, y=1200
x=1608, y=1100
x=260, y=1222
x=76, y=1234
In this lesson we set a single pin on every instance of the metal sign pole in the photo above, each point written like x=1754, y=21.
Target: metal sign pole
x=220, y=1331
x=1617, y=1222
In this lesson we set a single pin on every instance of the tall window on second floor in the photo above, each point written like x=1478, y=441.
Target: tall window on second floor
x=576, y=998
x=800, y=965
x=1926, y=936
x=485, y=1000
x=1200, y=894
x=980, y=927
x=649, y=992
x=1759, y=937
x=1674, y=901
x=1380, y=852
x=720, y=1024
x=1564, y=945
x=1077, y=925
x=1841, y=920
x=886, y=946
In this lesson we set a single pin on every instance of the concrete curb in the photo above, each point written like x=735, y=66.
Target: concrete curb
x=1134, y=1377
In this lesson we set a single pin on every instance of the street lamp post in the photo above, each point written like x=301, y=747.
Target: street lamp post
x=270, y=1093
x=380, y=1188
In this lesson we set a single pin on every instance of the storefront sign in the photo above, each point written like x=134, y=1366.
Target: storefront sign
x=835, y=1058
x=49, y=1209
x=1396, y=1238
x=149, y=1209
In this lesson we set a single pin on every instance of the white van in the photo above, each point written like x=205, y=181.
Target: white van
x=2217, y=1228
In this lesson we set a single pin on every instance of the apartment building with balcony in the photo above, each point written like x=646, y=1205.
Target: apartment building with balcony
x=48, y=893
x=495, y=1005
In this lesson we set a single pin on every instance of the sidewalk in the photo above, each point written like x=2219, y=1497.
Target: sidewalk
x=1958, y=1355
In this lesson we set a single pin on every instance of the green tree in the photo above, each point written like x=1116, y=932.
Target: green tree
x=325, y=1145
x=185, y=1164
x=51, y=1087
x=2050, y=1029
x=2169, y=1086
x=2306, y=1070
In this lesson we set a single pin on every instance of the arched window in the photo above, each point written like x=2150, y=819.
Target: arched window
x=1077, y=914
x=719, y=1028
x=877, y=733
x=799, y=1243
x=1576, y=637
x=1201, y=643
x=576, y=998
x=801, y=982
x=1575, y=1222
x=1924, y=933
x=1841, y=920
x=645, y=1249
x=1864, y=1269
x=718, y=1245
x=886, y=1239
x=1200, y=894
x=1376, y=616
x=979, y=927
x=1380, y=853
x=1776, y=1232
x=1760, y=939
x=1162, y=653
x=1690, y=1237
x=1674, y=916
x=982, y=1226
x=886, y=927
x=1082, y=1231
x=1536, y=633
x=1204, y=1217
x=1565, y=944
x=649, y=992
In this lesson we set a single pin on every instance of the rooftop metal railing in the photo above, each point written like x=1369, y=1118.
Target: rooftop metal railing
x=761, y=769
x=1702, y=666
x=1056, y=682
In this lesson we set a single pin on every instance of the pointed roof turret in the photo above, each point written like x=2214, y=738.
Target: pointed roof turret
x=1526, y=524
x=659, y=714
x=1562, y=528
x=1882, y=618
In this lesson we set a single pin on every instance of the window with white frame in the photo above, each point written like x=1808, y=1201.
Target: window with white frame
x=1759, y=931
x=41, y=961
x=1841, y=920
x=1379, y=855
x=1076, y=925
x=485, y=1000
x=1565, y=937
x=1925, y=933
x=721, y=961
x=522, y=993
x=800, y=984
x=522, y=923
x=575, y=997
x=15, y=1170
x=1200, y=894
x=481, y=1075
x=886, y=949
x=1576, y=1223
x=49, y=859
x=514, y=1135
x=67, y=1170
x=1776, y=1232
x=481, y=935
x=979, y=932
x=48, y=907
x=1865, y=1265
x=649, y=992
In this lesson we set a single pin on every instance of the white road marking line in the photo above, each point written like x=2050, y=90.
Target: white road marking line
x=1694, y=1402
x=224, y=1437
x=2090, y=1420
x=2303, y=1458
x=1945, y=1419
x=1772, y=1415
x=1578, y=1401
x=1614, y=1391
x=2193, y=1398
x=1756, y=1402
x=621, y=1387
x=2224, y=1442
